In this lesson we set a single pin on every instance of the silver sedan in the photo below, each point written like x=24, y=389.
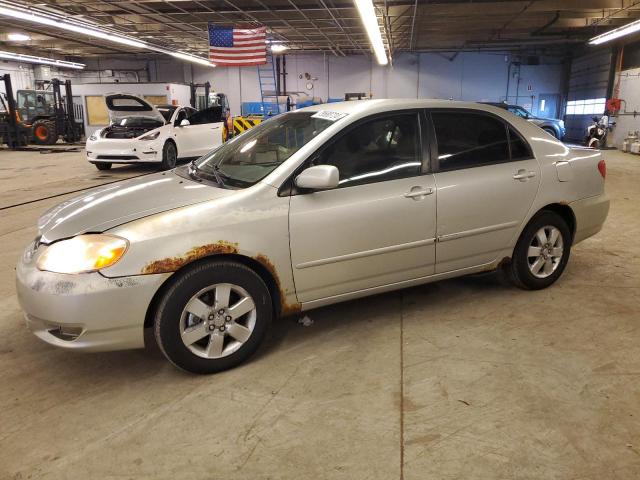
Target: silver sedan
x=310, y=208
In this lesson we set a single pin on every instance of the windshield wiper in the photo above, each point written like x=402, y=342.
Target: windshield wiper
x=197, y=171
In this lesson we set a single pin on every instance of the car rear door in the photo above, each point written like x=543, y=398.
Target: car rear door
x=486, y=178
x=376, y=228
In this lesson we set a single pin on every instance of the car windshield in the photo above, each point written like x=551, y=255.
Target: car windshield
x=166, y=111
x=138, y=122
x=250, y=157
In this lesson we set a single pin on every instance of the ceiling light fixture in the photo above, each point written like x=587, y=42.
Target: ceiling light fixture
x=18, y=37
x=19, y=57
x=370, y=22
x=279, y=48
x=617, y=33
x=50, y=20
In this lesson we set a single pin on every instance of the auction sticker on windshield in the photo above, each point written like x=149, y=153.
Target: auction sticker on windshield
x=329, y=115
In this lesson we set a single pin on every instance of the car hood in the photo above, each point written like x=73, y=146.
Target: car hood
x=123, y=105
x=106, y=207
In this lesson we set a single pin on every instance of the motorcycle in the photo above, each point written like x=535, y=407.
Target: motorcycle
x=597, y=132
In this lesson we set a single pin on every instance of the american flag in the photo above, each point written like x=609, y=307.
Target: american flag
x=237, y=47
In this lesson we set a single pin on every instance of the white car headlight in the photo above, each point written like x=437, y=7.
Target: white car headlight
x=84, y=253
x=95, y=135
x=151, y=136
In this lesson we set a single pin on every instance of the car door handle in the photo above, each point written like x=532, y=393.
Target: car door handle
x=524, y=175
x=417, y=192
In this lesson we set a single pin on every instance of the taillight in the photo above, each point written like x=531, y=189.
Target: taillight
x=602, y=167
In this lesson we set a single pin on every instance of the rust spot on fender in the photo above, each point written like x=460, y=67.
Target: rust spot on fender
x=171, y=264
x=286, y=309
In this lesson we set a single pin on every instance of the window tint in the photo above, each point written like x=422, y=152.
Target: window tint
x=469, y=140
x=375, y=151
x=209, y=115
x=181, y=116
x=519, y=148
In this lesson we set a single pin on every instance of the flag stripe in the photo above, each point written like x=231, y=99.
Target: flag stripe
x=228, y=59
x=237, y=61
x=237, y=55
x=237, y=49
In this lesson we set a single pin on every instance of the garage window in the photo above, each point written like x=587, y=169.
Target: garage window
x=382, y=149
x=592, y=106
x=469, y=139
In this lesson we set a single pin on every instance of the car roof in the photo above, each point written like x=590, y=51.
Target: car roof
x=381, y=105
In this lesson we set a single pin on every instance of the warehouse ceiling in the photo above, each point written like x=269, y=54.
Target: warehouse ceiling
x=331, y=26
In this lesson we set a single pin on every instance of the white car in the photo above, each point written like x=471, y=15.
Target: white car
x=309, y=208
x=143, y=133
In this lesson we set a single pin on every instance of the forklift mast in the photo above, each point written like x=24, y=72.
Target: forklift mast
x=194, y=89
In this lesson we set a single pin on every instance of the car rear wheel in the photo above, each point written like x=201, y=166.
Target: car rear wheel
x=542, y=252
x=169, y=156
x=213, y=317
x=103, y=165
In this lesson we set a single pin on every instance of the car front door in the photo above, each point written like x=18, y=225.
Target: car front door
x=487, y=179
x=181, y=134
x=204, y=131
x=378, y=226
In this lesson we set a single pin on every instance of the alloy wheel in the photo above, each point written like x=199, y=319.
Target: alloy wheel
x=545, y=251
x=218, y=320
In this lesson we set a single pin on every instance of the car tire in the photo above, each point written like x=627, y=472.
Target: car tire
x=44, y=132
x=228, y=338
x=542, y=252
x=169, y=156
x=103, y=165
x=551, y=132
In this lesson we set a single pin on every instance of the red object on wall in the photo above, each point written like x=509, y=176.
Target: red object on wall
x=614, y=104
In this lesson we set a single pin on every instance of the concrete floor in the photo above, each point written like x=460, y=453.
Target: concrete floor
x=467, y=378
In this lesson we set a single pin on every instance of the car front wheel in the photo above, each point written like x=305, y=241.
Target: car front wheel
x=169, y=156
x=213, y=317
x=103, y=165
x=542, y=252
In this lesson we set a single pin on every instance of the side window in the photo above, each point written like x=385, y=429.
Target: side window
x=383, y=149
x=209, y=115
x=467, y=139
x=519, y=148
x=181, y=116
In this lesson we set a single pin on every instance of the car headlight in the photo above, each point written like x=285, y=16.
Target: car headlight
x=150, y=136
x=95, y=135
x=84, y=253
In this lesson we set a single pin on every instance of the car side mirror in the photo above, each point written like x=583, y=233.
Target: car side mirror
x=185, y=123
x=320, y=177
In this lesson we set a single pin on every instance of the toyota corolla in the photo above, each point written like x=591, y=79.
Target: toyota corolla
x=310, y=208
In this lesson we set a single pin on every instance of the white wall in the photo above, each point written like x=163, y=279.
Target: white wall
x=467, y=76
x=630, y=93
x=21, y=75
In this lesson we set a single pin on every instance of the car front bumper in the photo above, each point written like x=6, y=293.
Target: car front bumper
x=86, y=311
x=123, y=151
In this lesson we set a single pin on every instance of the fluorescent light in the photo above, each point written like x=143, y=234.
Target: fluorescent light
x=279, y=48
x=18, y=37
x=19, y=57
x=57, y=21
x=370, y=22
x=186, y=56
x=617, y=33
